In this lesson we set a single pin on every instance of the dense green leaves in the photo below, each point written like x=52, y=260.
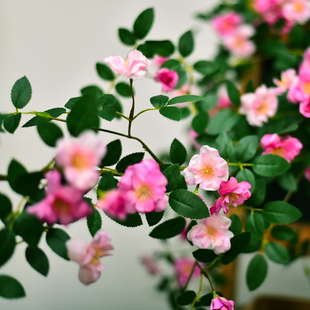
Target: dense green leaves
x=21, y=93
x=188, y=204
x=128, y=161
x=277, y=253
x=172, y=113
x=246, y=148
x=223, y=121
x=159, y=101
x=37, y=260
x=126, y=36
x=7, y=245
x=186, y=43
x=49, y=132
x=56, y=239
x=186, y=298
x=281, y=212
x=270, y=165
x=143, y=23
x=256, y=272
x=169, y=228
x=113, y=154
x=255, y=225
x=104, y=71
x=94, y=222
x=10, y=288
x=178, y=152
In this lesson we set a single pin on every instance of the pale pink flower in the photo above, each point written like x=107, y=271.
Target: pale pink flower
x=296, y=11
x=207, y=169
x=270, y=10
x=296, y=94
x=62, y=203
x=159, y=60
x=212, y=233
x=286, y=147
x=79, y=158
x=288, y=79
x=259, y=106
x=183, y=267
x=232, y=193
x=304, y=108
x=307, y=173
x=150, y=264
x=168, y=78
x=225, y=24
x=88, y=255
x=192, y=137
x=221, y=303
x=134, y=67
x=143, y=187
x=238, y=42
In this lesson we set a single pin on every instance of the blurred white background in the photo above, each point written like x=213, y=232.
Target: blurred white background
x=56, y=45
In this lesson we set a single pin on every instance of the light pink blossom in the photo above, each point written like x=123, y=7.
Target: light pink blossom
x=183, y=267
x=225, y=24
x=62, y=203
x=143, y=187
x=168, y=79
x=207, y=169
x=232, y=193
x=212, y=232
x=296, y=11
x=149, y=262
x=221, y=303
x=134, y=67
x=159, y=60
x=286, y=147
x=88, y=255
x=288, y=79
x=259, y=106
x=270, y=10
x=79, y=158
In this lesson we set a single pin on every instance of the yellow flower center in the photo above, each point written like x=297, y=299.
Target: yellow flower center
x=211, y=231
x=233, y=197
x=98, y=254
x=299, y=8
x=278, y=151
x=306, y=87
x=207, y=172
x=61, y=207
x=80, y=161
x=262, y=109
x=143, y=192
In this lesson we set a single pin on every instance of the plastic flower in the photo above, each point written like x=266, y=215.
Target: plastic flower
x=296, y=11
x=232, y=193
x=212, y=232
x=143, y=187
x=225, y=24
x=134, y=67
x=62, y=203
x=259, y=106
x=286, y=147
x=207, y=169
x=221, y=303
x=150, y=264
x=288, y=79
x=269, y=9
x=304, y=108
x=183, y=267
x=168, y=79
x=88, y=255
x=79, y=158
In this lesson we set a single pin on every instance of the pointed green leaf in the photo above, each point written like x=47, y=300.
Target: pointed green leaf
x=233, y=94
x=15, y=171
x=288, y=182
x=107, y=114
x=126, y=36
x=5, y=206
x=185, y=98
x=11, y=122
x=223, y=121
x=169, y=228
x=172, y=174
x=270, y=165
x=186, y=298
x=255, y=225
x=256, y=272
x=21, y=93
x=10, y=288
x=132, y=220
x=107, y=182
x=247, y=175
x=56, y=239
x=172, y=113
x=178, y=152
x=37, y=260
x=104, y=71
x=207, y=104
x=225, y=146
x=7, y=245
x=94, y=222
x=92, y=90
x=49, y=132
x=206, y=67
x=200, y=122
x=259, y=193
x=123, y=89
x=282, y=232
x=205, y=255
x=186, y=43
x=236, y=224
x=129, y=160
x=55, y=112
x=113, y=154
x=154, y=218
x=105, y=101
x=159, y=101
x=246, y=148
x=277, y=253
x=143, y=23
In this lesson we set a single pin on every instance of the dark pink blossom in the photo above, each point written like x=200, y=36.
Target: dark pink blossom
x=168, y=79
x=226, y=23
x=221, y=303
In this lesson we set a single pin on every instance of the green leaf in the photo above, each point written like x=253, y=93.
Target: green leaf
x=233, y=94
x=255, y=225
x=49, y=132
x=5, y=206
x=282, y=232
x=129, y=160
x=186, y=43
x=186, y=298
x=206, y=67
x=288, y=182
x=29, y=227
x=21, y=93
x=107, y=114
x=154, y=218
x=205, y=255
x=163, y=48
x=225, y=146
x=223, y=121
x=236, y=224
x=188, y=204
x=259, y=193
x=172, y=113
x=105, y=101
x=113, y=154
x=143, y=23
x=107, y=182
x=37, y=260
x=159, y=101
x=186, y=112
x=207, y=104
x=256, y=272
x=200, y=122
x=185, y=98
x=104, y=71
x=56, y=239
x=169, y=228
x=92, y=90
x=123, y=89
x=270, y=165
x=126, y=36
x=83, y=116
x=246, y=175
x=94, y=222
x=277, y=253
x=246, y=148
x=11, y=122
x=251, y=248
x=281, y=212
x=28, y=184
x=7, y=245
x=55, y=112
x=15, y=171
x=71, y=102
x=132, y=220
x=172, y=174
x=10, y=288
x=178, y=152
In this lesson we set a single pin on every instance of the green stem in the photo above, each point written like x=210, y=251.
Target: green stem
x=113, y=84
x=205, y=273
x=143, y=111
x=250, y=208
x=199, y=292
x=3, y=177
x=132, y=111
x=107, y=169
x=123, y=116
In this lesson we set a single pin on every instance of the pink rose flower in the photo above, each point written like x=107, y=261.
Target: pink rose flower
x=296, y=11
x=232, y=193
x=134, y=67
x=212, y=232
x=221, y=303
x=207, y=169
x=269, y=9
x=304, y=108
x=149, y=262
x=62, y=203
x=88, y=255
x=286, y=147
x=183, y=267
x=79, y=158
x=143, y=187
x=225, y=24
x=288, y=79
x=259, y=106
x=168, y=79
